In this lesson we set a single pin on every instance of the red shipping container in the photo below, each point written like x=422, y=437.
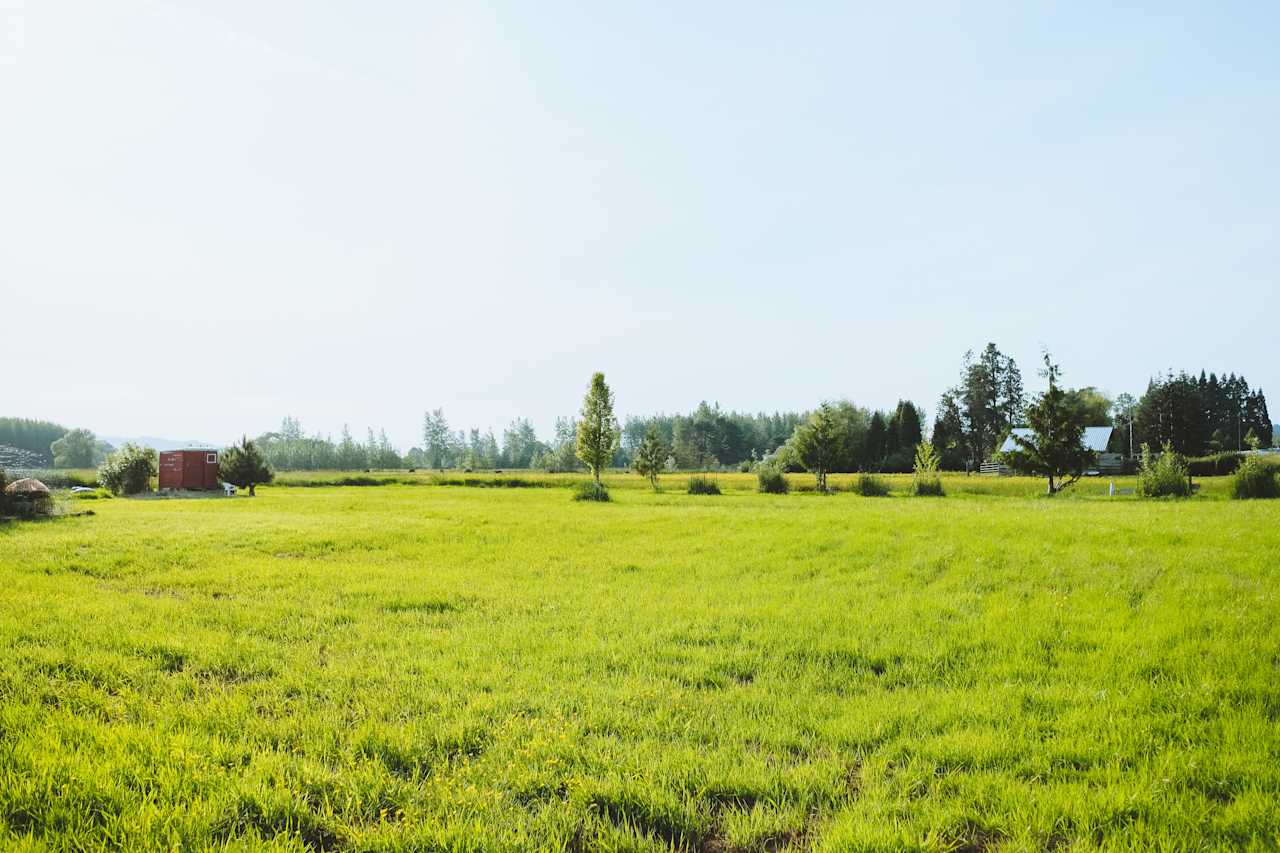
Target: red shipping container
x=192, y=468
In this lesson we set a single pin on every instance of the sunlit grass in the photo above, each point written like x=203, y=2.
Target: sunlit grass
x=956, y=484
x=406, y=668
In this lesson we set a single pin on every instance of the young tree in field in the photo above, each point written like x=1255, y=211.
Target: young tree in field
x=925, y=481
x=76, y=449
x=651, y=456
x=598, y=429
x=1056, y=449
x=243, y=465
x=818, y=442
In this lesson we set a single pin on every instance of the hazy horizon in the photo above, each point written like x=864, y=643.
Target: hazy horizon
x=219, y=214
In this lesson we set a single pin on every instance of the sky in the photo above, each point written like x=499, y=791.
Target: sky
x=215, y=214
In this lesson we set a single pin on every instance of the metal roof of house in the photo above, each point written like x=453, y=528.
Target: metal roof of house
x=1095, y=438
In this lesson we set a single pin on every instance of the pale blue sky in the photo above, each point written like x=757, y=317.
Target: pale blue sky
x=216, y=213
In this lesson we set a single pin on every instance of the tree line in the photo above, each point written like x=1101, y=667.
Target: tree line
x=1193, y=415
x=1198, y=416
x=29, y=443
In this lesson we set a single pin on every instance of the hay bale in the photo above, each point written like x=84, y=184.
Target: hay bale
x=28, y=488
x=28, y=497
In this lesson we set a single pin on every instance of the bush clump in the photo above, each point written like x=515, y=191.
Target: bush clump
x=871, y=486
x=1162, y=476
x=926, y=483
x=1216, y=465
x=129, y=470
x=771, y=480
x=590, y=490
x=1255, y=479
x=702, y=485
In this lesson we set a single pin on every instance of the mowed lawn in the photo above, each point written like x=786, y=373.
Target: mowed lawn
x=437, y=668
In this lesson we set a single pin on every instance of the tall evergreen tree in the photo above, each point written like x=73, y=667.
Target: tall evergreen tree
x=990, y=398
x=1172, y=412
x=906, y=426
x=948, y=432
x=874, y=448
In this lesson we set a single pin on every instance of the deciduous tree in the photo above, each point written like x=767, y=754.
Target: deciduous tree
x=129, y=470
x=650, y=456
x=598, y=429
x=76, y=449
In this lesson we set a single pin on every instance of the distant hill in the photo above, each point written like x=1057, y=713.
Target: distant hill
x=152, y=442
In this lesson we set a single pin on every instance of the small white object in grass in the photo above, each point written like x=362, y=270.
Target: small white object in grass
x=228, y=489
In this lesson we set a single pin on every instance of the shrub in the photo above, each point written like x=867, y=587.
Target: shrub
x=1254, y=479
x=771, y=480
x=1216, y=465
x=129, y=470
x=871, y=486
x=590, y=490
x=900, y=462
x=1165, y=476
x=784, y=458
x=926, y=482
x=701, y=485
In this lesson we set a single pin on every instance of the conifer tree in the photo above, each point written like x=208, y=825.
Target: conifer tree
x=243, y=465
x=1056, y=449
x=818, y=443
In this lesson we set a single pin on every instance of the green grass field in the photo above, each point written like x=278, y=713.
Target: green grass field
x=408, y=668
